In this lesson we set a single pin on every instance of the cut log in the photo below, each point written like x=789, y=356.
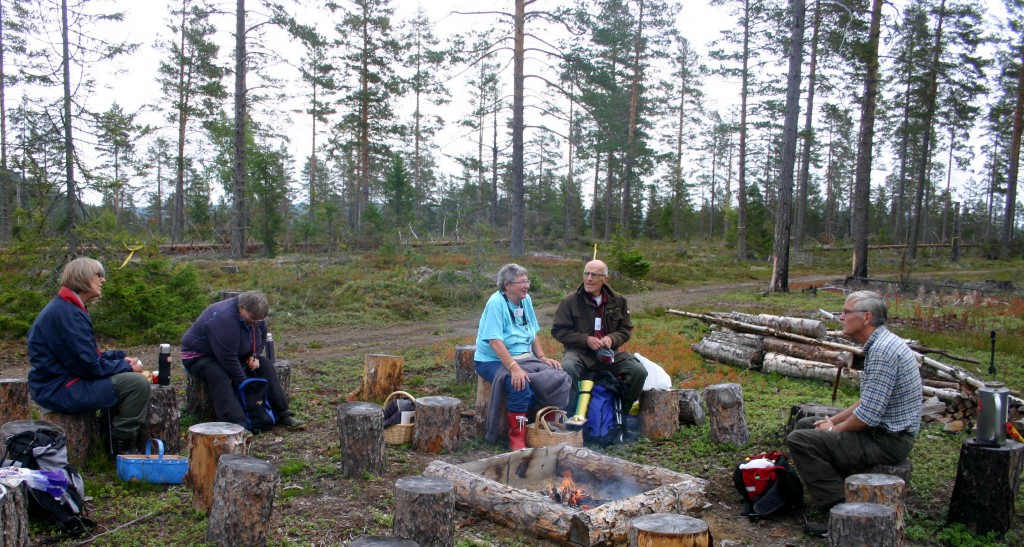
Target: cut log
x=799, y=412
x=691, y=407
x=437, y=424
x=739, y=356
x=197, y=400
x=14, y=400
x=361, y=434
x=727, y=413
x=465, y=369
x=811, y=328
x=903, y=470
x=82, y=432
x=943, y=394
x=862, y=524
x=284, y=374
x=163, y=421
x=810, y=370
x=985, y=491
x=14, y=516
x=669, y=530
x=808, y=352
x=382, y=541
x=382, y=376
x=741, y=339
x=243, y=501
x=659, y=413
x=207, y=442
x=609, y=523
x=483, y=405
x=883, y=489
x=425, y=510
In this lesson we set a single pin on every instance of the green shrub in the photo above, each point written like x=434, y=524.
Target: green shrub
x=627, y=261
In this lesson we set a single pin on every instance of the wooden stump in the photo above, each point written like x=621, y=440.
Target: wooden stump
x=82, y=432
x=243, y=500
x=854, y=524
x=14, y=403
x=483, y=407
x=728, y=417
x=874, y=488
x=985, y=491
x=691, y=407
x=799, y=412
x=197, y=400
x=659, y=413
x=425, y=510
x=14, y=516
x=437, y=424
x=163, y=421
x=207, y=442
x=669, y=530
x=903, y=470
x=382, y=541
x=465, y=370
x=284, y=374
x=361, y=432
x=382, y=376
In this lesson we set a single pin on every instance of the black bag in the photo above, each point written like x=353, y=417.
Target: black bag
x=258, y=415
x=768, y=485
x=45, y=449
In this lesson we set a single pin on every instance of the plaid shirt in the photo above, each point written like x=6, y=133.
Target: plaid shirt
x=890, y=394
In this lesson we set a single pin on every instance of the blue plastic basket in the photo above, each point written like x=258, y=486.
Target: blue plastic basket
x=157, y=469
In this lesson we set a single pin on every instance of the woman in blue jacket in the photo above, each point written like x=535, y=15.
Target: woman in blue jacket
x=70, y=374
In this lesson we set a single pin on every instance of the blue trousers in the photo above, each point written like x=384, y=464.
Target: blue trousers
x=515, y=401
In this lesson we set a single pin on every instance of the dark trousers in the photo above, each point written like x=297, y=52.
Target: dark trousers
x=825, y=458
x=224, y=395
x=584, y=365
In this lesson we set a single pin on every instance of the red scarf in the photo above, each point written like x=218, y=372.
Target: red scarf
x=69, y=295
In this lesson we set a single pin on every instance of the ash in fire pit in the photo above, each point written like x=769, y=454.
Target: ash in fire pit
x=513, y=490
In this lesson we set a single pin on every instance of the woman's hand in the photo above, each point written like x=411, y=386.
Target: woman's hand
x=519, y=377
x=135, y=363
x=551, y=363
x=253, y=363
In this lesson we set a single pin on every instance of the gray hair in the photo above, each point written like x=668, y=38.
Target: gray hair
x=872, y=302
x=254, y=302
x=79, y=272
x=508, y=273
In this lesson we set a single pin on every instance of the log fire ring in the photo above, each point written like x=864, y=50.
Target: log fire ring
x=510, y=489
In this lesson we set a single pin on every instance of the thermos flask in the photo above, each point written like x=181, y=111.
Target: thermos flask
x=270, y=349
x=164, y=365
x=993, y=398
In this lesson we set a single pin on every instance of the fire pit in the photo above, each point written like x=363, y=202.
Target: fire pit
x=514, y=490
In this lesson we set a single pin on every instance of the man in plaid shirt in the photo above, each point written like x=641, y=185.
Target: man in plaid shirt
x=880, y=427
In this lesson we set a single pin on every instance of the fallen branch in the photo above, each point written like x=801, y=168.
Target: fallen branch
x=112, y=530
x=924, y=349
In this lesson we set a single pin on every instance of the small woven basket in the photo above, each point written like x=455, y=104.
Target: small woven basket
x=543, y=433
x=398, y=433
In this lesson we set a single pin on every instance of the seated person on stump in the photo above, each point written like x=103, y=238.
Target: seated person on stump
x=593, y=323
x=509, y=355
x=880, y=427
x=70, y=375
x=223, y=347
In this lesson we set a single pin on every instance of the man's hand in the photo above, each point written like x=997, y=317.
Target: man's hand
x=825, y=425
x=597, y=343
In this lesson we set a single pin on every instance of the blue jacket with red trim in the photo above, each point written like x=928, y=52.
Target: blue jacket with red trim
x=68, y=373
x=221, y=333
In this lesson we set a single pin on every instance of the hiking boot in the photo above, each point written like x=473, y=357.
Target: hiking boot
x=292, y=421
x=124, y=447
x=816, y=529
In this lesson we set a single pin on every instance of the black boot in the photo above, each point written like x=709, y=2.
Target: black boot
x=124, y=447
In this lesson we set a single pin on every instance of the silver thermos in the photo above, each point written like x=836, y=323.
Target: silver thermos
x=993, y=399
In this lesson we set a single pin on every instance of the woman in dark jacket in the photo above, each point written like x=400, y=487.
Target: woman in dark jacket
x=70, y=375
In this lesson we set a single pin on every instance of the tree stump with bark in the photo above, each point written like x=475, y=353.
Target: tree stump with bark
x=465, y=369
x=382, y=376
x=727, y=413
x=987, y=481
x=82, y=432
x=14, y=400
x=361, y=433
x=437, y=424
x=799, y=412
x=14, y=516
x=425, y=510
x=207, y=442
x=669, y=530
x=284, y=374
x=243, y=501
x=483, y=408
x=163, y=421
x=691, y=407
x=862, y=524
x=382, y=541
x=659, y=413
x=197, y=400
x=903, y=470
x=874, y=488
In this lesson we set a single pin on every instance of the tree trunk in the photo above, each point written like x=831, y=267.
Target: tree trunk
x=741, y=190
x=162, y=421
x=808, y=352
x=82, y=432
x=5, y=175
x=437, y=424
x=243, y=501
x=876, y=488
x=810, y=370
x=239, y=219
x=800, y=223
x=465, y=371
x=862, y=524
x=727, y=413
x=739, y=356
x=361, y=433
x=986, y=486
x=425, y=510
x=71, y=227
x=382, y=376
x=865, y=143
x=517, y=247
x=691, y=407
x=625, y=212
x=1009, y=217
x=659, y=413
x=207, y=442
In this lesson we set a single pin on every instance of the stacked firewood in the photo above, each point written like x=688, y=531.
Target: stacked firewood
x=804, y=348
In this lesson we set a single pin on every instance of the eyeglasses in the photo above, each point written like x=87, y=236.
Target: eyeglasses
x=523, y=282
x=593, y=274
x=100, y=275
x=848, y=312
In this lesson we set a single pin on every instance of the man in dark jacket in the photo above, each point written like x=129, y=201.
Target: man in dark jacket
x=223, y=347
x=593, y=323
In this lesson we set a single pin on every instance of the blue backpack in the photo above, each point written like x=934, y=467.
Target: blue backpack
x=605, y=419
x=258, y=415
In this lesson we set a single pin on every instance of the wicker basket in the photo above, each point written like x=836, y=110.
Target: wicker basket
x=543, y=433
x=398, y=433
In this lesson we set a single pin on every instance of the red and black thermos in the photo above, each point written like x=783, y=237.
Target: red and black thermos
x=164, y=365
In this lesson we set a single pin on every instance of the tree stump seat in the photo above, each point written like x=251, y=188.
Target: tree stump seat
x=659, y=413
x=987, y=481
x=197, y=395
x=861, y=523
x=425, y=510
x=483, y=407
x=727, y=414
x=163, y=421
x=243, y=501
x=82, y=432
x=670, y=530
x=437, y=424
x=14, y=400
x=361, y=435
x=207, y=442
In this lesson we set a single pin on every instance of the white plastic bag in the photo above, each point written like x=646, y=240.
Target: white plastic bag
x=657, y=378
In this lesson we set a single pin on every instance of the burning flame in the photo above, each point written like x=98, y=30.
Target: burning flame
x=567, y=492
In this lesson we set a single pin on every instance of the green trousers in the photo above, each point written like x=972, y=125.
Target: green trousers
x=127, y=417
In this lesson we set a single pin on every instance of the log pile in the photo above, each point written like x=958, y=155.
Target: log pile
x=804, y=348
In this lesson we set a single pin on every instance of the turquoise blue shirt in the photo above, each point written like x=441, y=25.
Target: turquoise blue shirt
x=499, y=322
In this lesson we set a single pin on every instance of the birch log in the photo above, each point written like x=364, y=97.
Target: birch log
x=812, y=328
x=729, y=354
x=808, y=351
x=741, y=339
x=812, y=370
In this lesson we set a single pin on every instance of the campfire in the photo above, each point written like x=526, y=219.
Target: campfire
x=568, y=493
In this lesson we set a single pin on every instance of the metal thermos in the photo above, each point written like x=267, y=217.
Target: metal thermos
x=164, y=365
x=993, y=398
x=270, y=349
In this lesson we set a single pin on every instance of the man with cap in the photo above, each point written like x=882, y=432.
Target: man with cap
x=593, y=324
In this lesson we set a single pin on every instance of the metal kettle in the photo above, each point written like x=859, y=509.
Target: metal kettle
x=993, y=399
